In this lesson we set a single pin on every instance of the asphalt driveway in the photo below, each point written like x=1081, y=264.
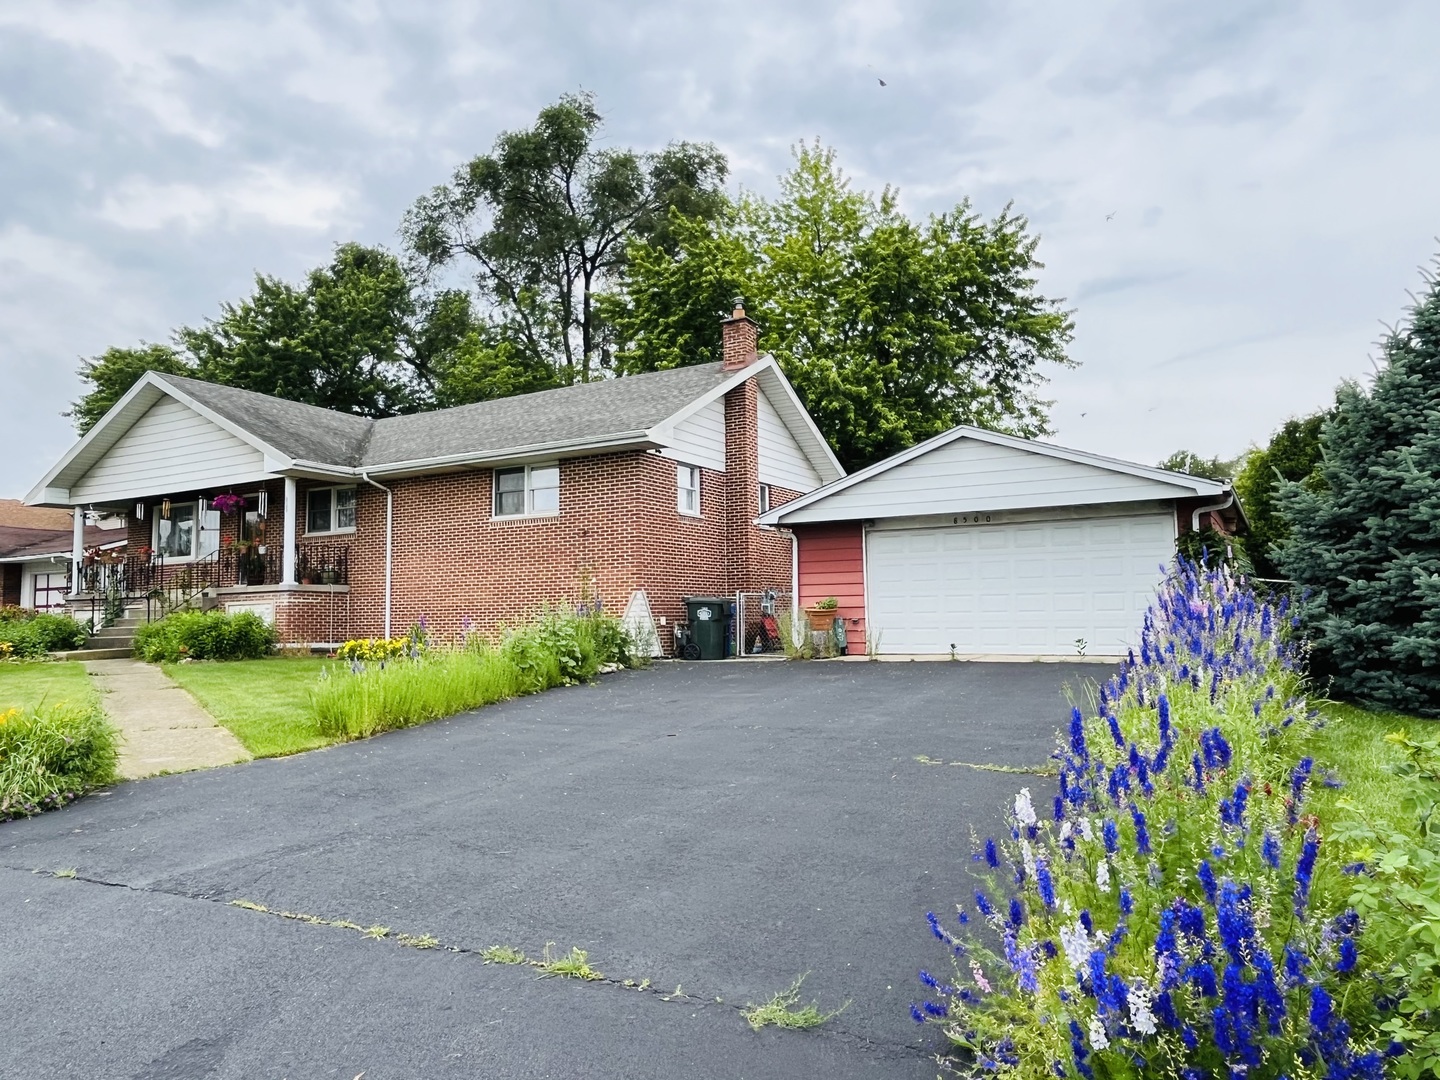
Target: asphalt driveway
x=716, y=828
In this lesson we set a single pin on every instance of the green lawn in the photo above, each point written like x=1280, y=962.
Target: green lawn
x=264, y=702
x=25, y=685
x=1353, y=744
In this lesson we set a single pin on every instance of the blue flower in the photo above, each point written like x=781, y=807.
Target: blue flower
x=1346, y=962
x=1295, y=965
x=1321, y=1009
x=1127, y=902
x=1111, y=834
x=1233, y=919
x=1207, y=880
x=984, y=905
x=1305, y=869
x=916, y=1014
x=992, y=857
x=1077, y=737
x=1142, y=833
x=1270, y=850
x=1044, y=883
x=1017, y=913
x=1199, y=773
x=936, y=1010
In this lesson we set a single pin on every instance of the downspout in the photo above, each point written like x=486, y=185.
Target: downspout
x=389, y=547
x=795, y=638
x=1195, y=517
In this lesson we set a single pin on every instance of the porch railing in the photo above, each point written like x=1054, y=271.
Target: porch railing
x=174, y=584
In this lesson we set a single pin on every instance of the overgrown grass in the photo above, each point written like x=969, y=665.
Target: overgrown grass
x=347, y=705
x=51, y=754
x=784, y=1010
x=27, y=685
x=572, y=965
x=265, y=703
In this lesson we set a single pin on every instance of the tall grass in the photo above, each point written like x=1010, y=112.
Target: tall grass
x=358, y=700
x=52, y=754
x=402, y=693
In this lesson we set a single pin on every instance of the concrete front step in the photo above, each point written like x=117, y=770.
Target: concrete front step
x=94, y=654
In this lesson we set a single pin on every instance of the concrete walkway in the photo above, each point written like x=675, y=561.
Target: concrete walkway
x=163, y=729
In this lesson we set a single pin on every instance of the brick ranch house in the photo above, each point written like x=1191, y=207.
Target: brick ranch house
x=634, y=492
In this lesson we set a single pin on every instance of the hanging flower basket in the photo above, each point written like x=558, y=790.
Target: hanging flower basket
x=227, y=503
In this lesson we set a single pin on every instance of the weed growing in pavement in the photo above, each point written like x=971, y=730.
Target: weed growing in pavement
x=418, y=941
x=784, y=1010
x=572, y=965
x=68, y=873
x=503, y=954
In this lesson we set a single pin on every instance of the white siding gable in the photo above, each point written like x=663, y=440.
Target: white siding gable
x=782, y=462
x=699, y=439
x=171, y=448
x=970, y=474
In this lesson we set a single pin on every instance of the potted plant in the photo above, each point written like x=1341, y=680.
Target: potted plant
x=228, y=503
x=822, y=614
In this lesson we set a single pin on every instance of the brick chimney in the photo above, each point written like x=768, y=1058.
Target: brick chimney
x=740, y=337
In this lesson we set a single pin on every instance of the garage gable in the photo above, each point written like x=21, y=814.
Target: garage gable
x=967, y=469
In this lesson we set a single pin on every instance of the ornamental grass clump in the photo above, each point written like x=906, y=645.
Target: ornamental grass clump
x=1175, y=910
x=52, y=754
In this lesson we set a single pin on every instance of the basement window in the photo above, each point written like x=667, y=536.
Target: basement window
x=527, y=491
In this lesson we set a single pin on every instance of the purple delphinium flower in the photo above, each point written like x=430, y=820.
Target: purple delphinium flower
x=1207, y=879
x=1305, y=869
x=1321, y=1010
x=1111, y=834
x=1127, y=902
x=1295, y=965
x=1142, y=832
x=1233, y=919
x=1017, y=913
x=1199, y=770
x=1348, y=955
x=1045, y=883
x=992, y=856
x=983, y=903
x=1270, y=850
x=1077, y=737
x=916, y=1014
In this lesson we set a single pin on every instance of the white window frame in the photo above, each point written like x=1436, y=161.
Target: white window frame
x=334, y=509
x=764, y=499
x=194, y=532
x=688, y=481
x=530, y=489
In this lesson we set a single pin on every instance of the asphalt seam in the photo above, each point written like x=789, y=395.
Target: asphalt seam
x=305, y=918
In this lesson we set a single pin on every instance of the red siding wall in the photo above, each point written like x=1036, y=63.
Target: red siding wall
x=832, y=563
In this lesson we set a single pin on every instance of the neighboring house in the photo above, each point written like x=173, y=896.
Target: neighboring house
x=36, y=547
x=631, y=492
x=987, y=544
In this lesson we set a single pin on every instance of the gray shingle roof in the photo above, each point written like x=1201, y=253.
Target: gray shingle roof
x=584, y=413
x=303, y=432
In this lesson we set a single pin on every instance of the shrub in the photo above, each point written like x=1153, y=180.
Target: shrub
x=50, y=755
x=29, y=634
x=1176, y=913
x=205, y=635
x=419, y=683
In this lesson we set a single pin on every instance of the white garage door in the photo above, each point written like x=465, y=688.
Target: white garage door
x=1016, y=589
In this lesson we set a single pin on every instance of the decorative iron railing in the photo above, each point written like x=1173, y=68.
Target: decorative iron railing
x=135, y=576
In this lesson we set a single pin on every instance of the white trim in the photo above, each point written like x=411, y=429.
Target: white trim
x=527, y=491
x=1196, y=485
x=768, y=372
x=699, y=489
x=334, y=511
x=149, y=386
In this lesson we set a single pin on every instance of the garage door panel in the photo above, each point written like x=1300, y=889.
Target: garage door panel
x=1019, y=589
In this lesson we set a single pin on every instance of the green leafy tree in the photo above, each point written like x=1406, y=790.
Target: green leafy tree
x=1366, y=543
x=358, y=335
x=1293, y=453
x=892, y=330
x=112, y=373
x=546, y=217
x=486, y=366
x=1192, y=464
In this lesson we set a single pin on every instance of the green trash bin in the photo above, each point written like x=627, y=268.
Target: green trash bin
x=708, y=616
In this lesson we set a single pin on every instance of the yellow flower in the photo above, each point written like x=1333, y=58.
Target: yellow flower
x=8, y=715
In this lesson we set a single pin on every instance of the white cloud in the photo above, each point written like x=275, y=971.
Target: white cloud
x=263, y=194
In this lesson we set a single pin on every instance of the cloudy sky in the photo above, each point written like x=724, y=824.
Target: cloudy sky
x=1233, y=196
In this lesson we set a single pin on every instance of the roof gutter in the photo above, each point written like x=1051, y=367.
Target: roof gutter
x=1195, y=516
x=509, y=453
x=389, y=543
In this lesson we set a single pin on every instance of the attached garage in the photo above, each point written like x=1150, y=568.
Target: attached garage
x=982, y=544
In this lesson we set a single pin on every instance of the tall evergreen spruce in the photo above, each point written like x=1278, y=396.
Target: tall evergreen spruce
x=1367, y=544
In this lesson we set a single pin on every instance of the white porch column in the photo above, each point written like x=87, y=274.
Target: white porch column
x=77, y=545
x=287, y=559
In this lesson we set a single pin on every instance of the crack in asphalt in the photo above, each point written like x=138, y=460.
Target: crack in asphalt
x=396, y=938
